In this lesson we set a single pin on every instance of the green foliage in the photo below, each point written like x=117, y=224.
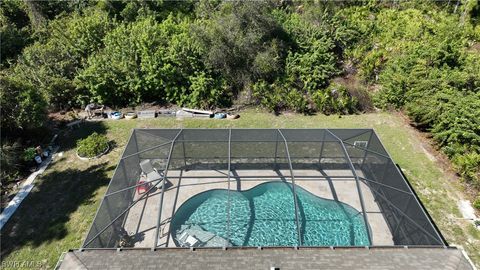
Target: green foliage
x=29, y=154
x=92, y=146
x=51, y=65
x=131, y=10
x=279, y=96
x=205, y=92
x=310, y=63
x=335, y=99
x=10, y=160
x=419, y=56
x=476, y=204
x=13, y=40
x=313, y=62
x=468, y=164
x=421, y=59
x=22, y=106
x=242, y=41
x=14, y=30
x=158, y=61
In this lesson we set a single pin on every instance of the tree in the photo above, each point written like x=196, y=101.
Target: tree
x=243, y=42
x=14, y=30
x=145, y=61
x=22, y=106
x=53, y=64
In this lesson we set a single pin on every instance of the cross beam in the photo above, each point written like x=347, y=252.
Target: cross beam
x=228, y=180
x=165, y=172
x=357, y=181
x=292, y=176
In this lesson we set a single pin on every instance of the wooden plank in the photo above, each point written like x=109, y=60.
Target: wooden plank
x=197, y=111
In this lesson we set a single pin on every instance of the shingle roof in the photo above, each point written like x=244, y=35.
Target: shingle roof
x=282, y=258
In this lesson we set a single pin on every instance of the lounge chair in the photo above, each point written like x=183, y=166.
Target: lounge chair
x=187, y=240
x=148, y=169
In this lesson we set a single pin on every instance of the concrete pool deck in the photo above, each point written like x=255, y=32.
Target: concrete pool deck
x=142, y=218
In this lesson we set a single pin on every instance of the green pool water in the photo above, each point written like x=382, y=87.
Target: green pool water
x=265, y=216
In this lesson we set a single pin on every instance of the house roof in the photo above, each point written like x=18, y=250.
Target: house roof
x=278, y=258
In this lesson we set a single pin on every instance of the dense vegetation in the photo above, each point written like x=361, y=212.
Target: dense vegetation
x=417, y=56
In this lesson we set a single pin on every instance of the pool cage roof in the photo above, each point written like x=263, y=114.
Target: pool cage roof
x=358, y=153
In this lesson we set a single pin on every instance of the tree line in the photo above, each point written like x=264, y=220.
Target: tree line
x=417, y=56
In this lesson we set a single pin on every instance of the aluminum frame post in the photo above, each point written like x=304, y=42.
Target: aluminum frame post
x=159, y=219
x=357, y=181
x=228, y=180
x=292, y=176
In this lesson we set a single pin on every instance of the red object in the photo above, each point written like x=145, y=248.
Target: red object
x=143, y=188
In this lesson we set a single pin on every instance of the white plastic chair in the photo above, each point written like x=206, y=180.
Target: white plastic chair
x=148, y=169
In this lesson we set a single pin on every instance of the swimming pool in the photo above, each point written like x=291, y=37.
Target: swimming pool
x=265, y=216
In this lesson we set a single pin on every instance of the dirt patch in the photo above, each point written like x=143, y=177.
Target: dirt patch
x=9, y=191
x=357, y=89
x=429, y=155
x=475, y=47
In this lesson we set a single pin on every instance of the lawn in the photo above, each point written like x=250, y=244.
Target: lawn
x=57, y=214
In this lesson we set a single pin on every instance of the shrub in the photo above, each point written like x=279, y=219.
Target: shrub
x=92, y=146
x=242, y=42
x=11, y=161
x=29, y=154
x=476, y=203
x=22, y=106
x=51, y=64
x=280, y=96
x=205, y=92
x=312, y=62
x=267, y=96
x=424, y=63
x=334, y=99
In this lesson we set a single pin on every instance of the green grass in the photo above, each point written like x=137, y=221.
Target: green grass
x=56, y=216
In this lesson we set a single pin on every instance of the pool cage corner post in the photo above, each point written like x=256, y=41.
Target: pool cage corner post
x=276, y=150
x=292, y=177
x=366, y=148
x=357, y=182
x=134, y=137
x=321, y=151
x=184, y=153
x=164, y=178
x=228, y=181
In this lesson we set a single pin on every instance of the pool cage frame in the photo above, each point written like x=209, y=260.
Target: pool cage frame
x=292, y=149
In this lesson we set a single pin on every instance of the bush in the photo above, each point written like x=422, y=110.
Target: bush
x=335, y=99
x=312, y=61
x=476, y=203
x=22, y=106
x=242, y=42
x=157, y=62
x=29, y=154
x=11, y=161
x=52, y=63
x=280, y=96
x=423, y=63
x=205, y=92
x=92, y=146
